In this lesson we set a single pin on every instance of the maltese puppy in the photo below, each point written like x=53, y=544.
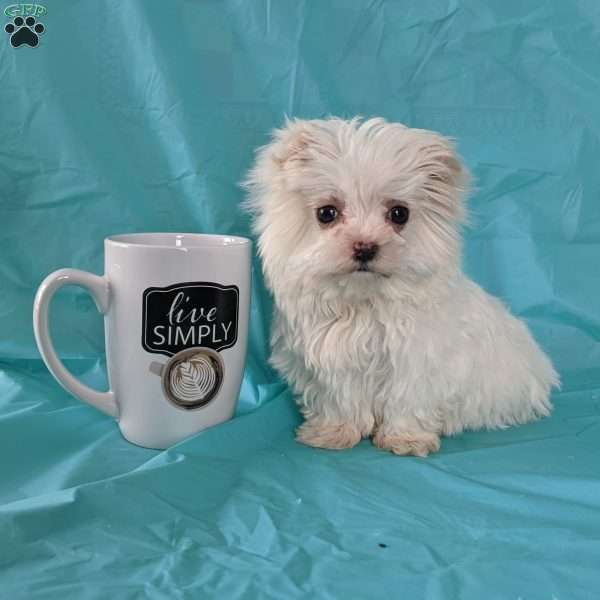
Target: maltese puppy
x=376, y=328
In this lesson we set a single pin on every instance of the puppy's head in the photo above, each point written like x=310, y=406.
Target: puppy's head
x=356, y=204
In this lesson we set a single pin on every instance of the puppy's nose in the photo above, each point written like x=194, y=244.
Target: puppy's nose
x=365, y=251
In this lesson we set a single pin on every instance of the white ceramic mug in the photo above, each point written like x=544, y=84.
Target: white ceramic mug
x=176, y=310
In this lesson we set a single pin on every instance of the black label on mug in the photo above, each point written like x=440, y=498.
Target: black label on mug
x=186, y=315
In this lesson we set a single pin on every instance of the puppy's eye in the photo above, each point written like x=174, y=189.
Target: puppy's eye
x=398, y=215
x=327, y=214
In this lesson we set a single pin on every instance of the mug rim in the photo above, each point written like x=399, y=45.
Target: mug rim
x=200, y=240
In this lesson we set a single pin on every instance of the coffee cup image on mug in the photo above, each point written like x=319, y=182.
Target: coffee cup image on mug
x=191, y=378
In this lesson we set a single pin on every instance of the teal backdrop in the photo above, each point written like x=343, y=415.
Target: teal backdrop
x=143, y=116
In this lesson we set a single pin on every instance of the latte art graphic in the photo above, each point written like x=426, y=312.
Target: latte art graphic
x=193, y=379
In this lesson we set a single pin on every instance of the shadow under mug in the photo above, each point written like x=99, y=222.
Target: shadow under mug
x=176, y=309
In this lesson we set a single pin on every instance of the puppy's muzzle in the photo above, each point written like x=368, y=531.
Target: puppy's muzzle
x=364, y=252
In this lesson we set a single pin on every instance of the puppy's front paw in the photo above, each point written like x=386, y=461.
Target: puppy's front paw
x=417, y=443
x=334, y=437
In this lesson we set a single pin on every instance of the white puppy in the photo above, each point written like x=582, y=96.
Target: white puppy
x=376, y=328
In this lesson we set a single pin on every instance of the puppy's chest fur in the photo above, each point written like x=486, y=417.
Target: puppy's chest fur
x=362, y=338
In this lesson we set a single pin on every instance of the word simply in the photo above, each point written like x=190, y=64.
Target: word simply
x=186, y=315
x=182, y=326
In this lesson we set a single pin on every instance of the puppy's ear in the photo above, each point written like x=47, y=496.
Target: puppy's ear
x=293, y=142
x=446, y=178
x=441, y=163
x=299, y=141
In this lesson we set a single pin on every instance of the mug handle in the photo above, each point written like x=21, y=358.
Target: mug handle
x=99, y=288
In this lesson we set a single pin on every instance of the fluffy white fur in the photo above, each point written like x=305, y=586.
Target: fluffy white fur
x=412, y=349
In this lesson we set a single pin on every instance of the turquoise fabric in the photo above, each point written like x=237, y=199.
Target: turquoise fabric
x=143, y=116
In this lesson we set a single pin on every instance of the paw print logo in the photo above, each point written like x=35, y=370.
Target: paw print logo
x=24, y=31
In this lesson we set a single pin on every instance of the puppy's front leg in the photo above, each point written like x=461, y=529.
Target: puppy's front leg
x=324, y=433
x=332, y=421
x=405, y=435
